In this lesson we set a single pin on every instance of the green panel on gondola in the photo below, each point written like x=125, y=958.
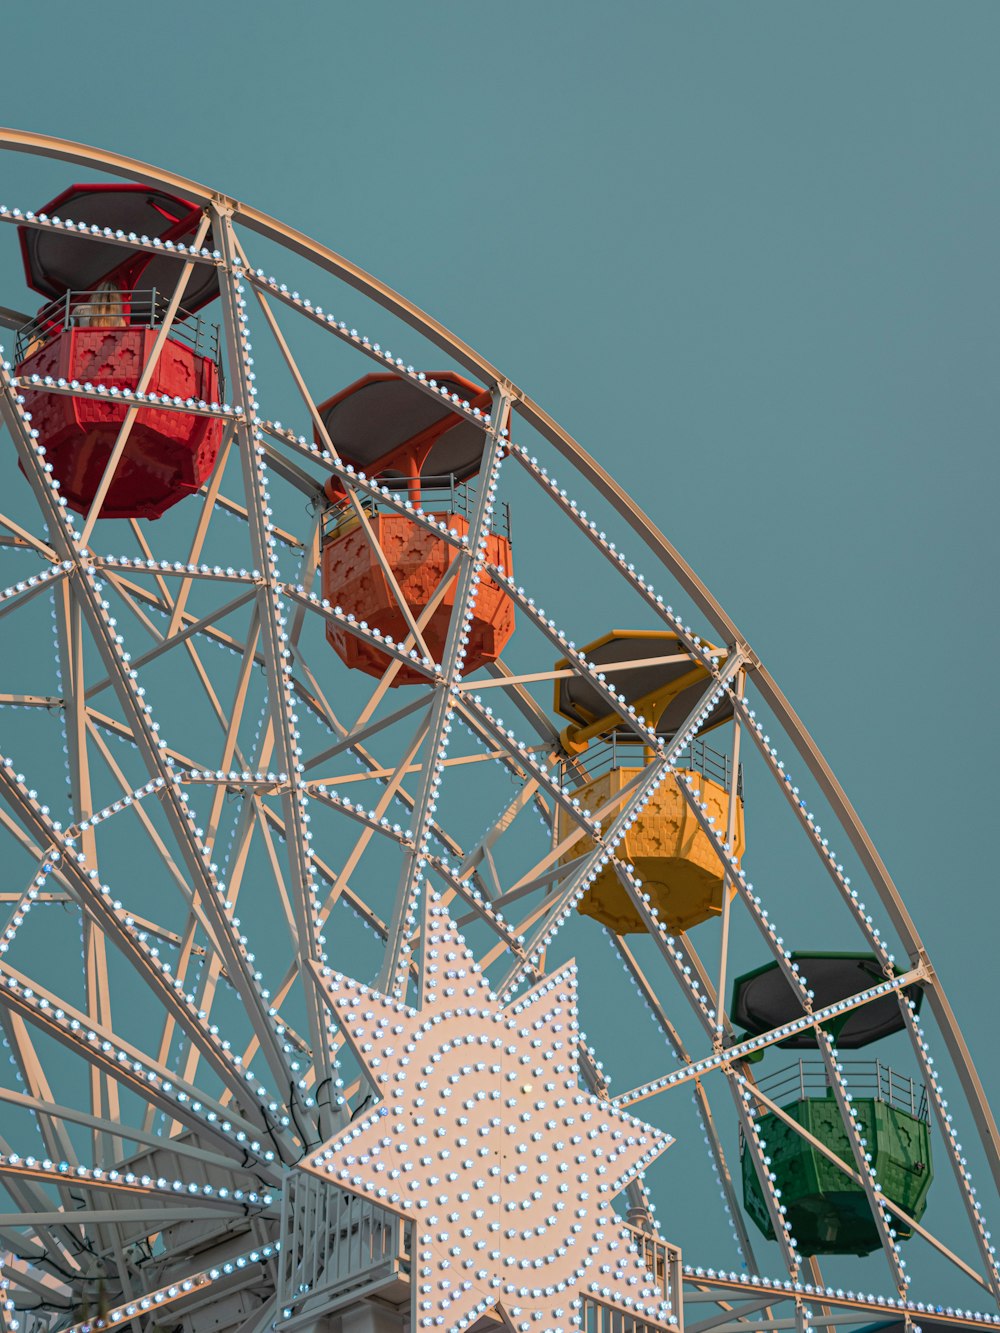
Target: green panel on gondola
x=827, y=1211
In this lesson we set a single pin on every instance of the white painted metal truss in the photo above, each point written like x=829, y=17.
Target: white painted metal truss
x=244, y=832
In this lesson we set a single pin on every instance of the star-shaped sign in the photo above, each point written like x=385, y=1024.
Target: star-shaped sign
x=485, y=1141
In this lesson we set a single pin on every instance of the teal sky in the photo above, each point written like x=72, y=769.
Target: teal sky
x=771, y=229
x=775, y=224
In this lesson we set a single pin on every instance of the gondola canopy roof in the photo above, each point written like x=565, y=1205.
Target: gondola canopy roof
x=57, y=260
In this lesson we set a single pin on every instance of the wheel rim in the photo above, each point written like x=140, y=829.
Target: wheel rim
x=282, y=831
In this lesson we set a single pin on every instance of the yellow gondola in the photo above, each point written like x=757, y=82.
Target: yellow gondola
x=672, y=855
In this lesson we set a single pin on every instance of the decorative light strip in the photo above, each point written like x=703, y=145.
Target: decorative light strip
x=468, y=575
x=176, y=1291
x=615, y=701
x=74, y=865
x=345, y=333
x=461, y=406
x=208, y=632
x=863, y=1160
x=744, y=1048
x=359, y=628
x=562, y=794
x=426, y=384
x=710, y=1137
x=482, y=906
x=656, y=774
x=360, y=481
x=873, y=937
x=491, y=722
x=165, y=402
x=35, y=582
x=45, y=1168
x=129, y=240
x=24, y=906
x=234, y=778
x=813, y=830
x=587, y=525
x=786, y=1289
x=946, y=1124
x=677, y=962
x=885, y=1221
x=592, y=670
x=329, y=796
x=243, y=974
x=98, y=1049
x=310, y=942
x=8, y=1319
x=176, y=569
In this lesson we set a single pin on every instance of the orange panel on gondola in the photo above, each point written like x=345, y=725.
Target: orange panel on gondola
x=417, y=444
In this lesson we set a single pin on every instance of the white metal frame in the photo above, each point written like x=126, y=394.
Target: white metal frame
x=262, y=1107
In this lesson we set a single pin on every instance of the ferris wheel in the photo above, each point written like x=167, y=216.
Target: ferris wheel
x=423, y=908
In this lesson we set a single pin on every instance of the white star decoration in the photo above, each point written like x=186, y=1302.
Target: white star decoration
x=485, y=1141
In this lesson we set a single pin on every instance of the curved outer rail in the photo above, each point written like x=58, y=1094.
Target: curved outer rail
x=66, y=150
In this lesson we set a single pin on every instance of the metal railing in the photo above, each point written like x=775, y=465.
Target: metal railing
x=665, y=1266
x=663, y=1261
x=627, y=752
x=601, y=1318
x=102, y=308
x=335, y=1245
x=333, y=1242
x=865, y=1078
x=438, y=496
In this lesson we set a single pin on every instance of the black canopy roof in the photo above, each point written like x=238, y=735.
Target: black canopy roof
x=579, y=700
x=57, y=261
x=378, y=414
x=764, y=999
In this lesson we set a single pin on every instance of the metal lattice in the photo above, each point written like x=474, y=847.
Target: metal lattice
x=239, y=811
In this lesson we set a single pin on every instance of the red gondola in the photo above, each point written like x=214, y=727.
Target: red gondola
x=106, y=305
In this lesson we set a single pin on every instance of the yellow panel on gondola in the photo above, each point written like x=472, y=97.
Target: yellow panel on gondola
x=674, y=859
x=671, y=854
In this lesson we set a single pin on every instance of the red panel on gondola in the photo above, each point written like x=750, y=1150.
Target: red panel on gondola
x=100, y=327
x=169, y=454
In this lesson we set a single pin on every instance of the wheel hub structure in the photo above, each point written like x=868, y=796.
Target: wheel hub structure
x=344, y=985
